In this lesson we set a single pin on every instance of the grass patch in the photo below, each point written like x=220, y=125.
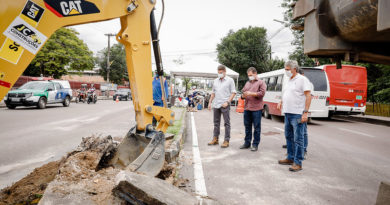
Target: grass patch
x=378, y=109
x=175, y=128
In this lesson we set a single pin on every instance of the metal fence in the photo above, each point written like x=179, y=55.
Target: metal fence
x=378, y=109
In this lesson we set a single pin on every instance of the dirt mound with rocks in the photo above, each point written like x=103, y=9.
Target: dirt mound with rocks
x=30, y=189
x=80, y=176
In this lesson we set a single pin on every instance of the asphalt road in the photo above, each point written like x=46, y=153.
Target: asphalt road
x=30, y=137
x=345, y=165
x=346, y=161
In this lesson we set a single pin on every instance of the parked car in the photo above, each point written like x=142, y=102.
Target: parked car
x=123, y=94
x=38, y=93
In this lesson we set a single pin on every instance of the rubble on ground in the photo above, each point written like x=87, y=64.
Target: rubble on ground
x=83, y=177
x=137, y=188
x=30, y=189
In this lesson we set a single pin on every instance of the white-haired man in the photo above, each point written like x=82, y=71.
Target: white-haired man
x=295, y=104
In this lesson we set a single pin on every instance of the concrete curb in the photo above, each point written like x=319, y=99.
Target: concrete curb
x=364, y=119
x=174, y=149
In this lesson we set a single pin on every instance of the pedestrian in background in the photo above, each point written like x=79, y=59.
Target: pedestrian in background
x=158, y=98
x=223, y=93
x=253, y=93
x=206, y=100
x=295, y=104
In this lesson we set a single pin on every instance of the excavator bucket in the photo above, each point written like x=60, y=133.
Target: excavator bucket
x=141, y=152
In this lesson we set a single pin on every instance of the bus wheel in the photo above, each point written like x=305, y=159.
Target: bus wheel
x=330, y=115
x=266, y=112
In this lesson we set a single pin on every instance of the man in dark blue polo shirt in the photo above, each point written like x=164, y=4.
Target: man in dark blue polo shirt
x=157, y=93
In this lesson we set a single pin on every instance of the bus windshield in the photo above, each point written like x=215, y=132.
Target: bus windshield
x=317, y=77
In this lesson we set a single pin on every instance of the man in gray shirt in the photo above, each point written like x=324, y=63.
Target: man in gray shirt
x=223, y=93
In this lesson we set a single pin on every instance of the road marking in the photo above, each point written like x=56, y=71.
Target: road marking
x=280, y=129
x=356, y=132
x=200, y=185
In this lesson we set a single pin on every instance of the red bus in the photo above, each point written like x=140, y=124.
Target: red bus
x=348, y=89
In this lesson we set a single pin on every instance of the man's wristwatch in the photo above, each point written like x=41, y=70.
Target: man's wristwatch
x=305, y=111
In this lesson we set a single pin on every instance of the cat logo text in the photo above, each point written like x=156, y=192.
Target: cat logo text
x=66, y=8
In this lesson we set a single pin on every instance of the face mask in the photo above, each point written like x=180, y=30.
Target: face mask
x=251, y=77
x=220, y=75
x=288, y=73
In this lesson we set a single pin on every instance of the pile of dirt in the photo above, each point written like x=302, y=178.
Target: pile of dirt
x=31, y=188
x=82, y=172
x=168, y=172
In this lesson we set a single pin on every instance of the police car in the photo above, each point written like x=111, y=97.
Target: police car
x=39, y=93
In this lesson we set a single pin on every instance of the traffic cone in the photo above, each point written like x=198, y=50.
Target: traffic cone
x=117, y=99
x=240, y=106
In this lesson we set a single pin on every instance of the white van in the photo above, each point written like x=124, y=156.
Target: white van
x=276, y=80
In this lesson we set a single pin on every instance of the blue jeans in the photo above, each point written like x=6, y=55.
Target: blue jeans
x=252, y=117
x=305, y=140
x=293, y=130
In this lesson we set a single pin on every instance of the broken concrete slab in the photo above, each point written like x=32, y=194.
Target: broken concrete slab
x=383, y=197
x=79, y=181
x=84, y=178
x=141, y=189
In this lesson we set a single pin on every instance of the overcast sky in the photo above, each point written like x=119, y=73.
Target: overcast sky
x=195, y=27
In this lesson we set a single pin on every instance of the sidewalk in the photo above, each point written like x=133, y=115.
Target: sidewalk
x=378, y=120
x=334, y=172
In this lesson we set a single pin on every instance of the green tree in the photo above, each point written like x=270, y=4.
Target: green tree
x=187, y=84
x=274, y=64
x=63, y=51
x=245, y=48
x=378, y=77
x=118, y=67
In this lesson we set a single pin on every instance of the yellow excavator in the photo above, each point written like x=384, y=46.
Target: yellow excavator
x=27, y=24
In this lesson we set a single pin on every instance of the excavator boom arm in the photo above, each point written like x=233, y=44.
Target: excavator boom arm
x=27, y=24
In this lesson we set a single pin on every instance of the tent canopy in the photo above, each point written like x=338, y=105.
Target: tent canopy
x=199, y=66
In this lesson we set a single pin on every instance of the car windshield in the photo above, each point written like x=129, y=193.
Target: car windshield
x=34, y=86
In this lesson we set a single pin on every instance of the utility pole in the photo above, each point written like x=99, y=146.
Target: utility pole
x=108, y=55
x=108, y=62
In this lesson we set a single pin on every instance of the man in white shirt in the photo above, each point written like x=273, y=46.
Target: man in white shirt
x=305, y=134
x=223, y=93
x=296, y=99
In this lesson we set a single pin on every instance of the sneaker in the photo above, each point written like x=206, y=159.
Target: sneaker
x=245, y=146
x=254, y=148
